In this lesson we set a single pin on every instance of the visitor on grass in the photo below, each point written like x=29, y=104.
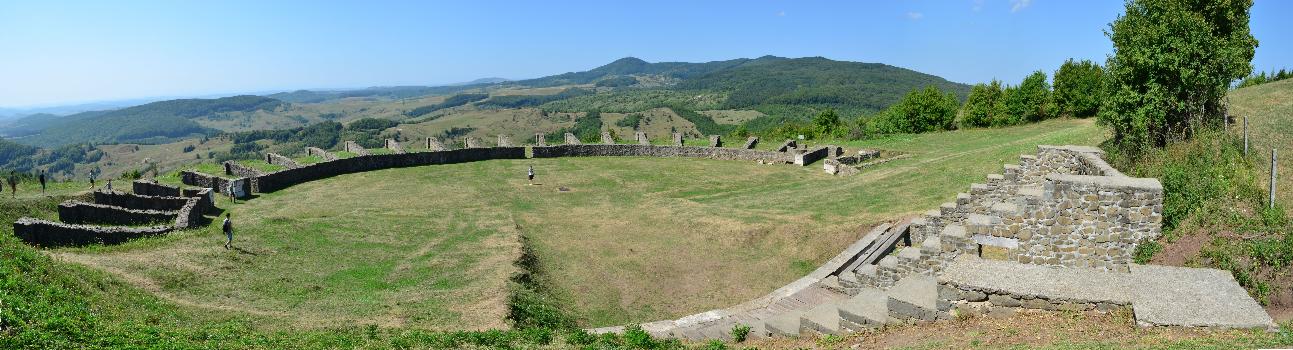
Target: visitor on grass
x=13, y=184
x=91, y=178
x=109, y=185
x=42, y=182
x=228, y=189
x=228, y=231
x=530, y=173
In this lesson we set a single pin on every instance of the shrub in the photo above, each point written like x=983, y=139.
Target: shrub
x=919, y=111
x=740, y=332
x=1079, y=88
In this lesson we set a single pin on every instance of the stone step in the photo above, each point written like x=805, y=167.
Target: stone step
x=785, y=325
x=1029, y=191
x=962, y=199
x=996, y=177
x=869, y=308
x=915, y=297
x=865, y=273
x=850, y=280
x=932, y=245
x=824, y=319
x=833, y=283
x=978, y=188
x=947, y=209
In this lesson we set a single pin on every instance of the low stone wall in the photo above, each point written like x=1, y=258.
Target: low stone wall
x=53, y=234
x=319, y=152
x=715, y=141
x=434, y=144
x=75, y=212
x=787, y=146
x=152, y=188
x=751, y=142
x=659, y=151
x=539, y=139
x=139, y=202
x=505, y=141
x=805, y=158
x=237, y=170
x=218, y=184
x=571, y=139
x=286, y=178
x=352, y=147
x=677, y=139
x=973, y=300
x=276, y=159
x=471, y=142
x=190, y=215
x=642, y=138
x=393, y=145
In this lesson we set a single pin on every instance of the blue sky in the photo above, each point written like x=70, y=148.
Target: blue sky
x=54, y=52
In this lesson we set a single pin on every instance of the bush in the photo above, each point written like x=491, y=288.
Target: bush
x=984, y=107
x=1030, y=101
x=1079, y=87
x=1172, y=65
x=919, y=111
x=630, y=121
x=740, y=332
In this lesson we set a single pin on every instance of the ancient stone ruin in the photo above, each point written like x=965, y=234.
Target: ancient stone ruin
x=393, y=145
x=642, y=138
x=116, y=217
x=607, y=139
x=433, y=144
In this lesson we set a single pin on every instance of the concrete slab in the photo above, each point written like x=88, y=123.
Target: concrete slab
x=1191, y=297
x=1075, y=284
x=869, y=307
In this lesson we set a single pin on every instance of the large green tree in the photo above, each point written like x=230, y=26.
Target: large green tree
x=1172, y=64
x=984, y=107
x=1031, y=101
x=1079, y=87
x=919, y=111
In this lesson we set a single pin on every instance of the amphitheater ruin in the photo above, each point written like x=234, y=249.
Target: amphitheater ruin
x=1057, y=231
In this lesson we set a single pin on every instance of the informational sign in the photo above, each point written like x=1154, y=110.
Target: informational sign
x=237, y=187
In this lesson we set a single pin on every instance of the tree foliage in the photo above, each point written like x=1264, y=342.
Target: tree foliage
x=986, y=106
x=919, y=111
x=1031, y=101
x=1079, y=87
x=1172, y=65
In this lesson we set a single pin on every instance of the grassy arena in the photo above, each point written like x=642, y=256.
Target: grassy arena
x=634, y=240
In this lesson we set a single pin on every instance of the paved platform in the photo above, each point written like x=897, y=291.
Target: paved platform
x=1159, y=295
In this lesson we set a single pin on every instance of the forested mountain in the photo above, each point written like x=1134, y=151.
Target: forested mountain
x=148, y=123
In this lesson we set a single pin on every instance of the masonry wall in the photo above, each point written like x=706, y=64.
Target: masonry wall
x=287, y=178
x=216, y=183
x=812, y=156
x=152, y=188
x=53, y=234
x=659, y=151
x=74, y=212
x=319, y=152
x=139, y=202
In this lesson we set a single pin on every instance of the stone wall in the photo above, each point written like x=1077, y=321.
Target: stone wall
x=715, y=141
x=286, y=178
x=53, y=234
x=471, y=142
x=505, y=141
x=190, y=215
x=276, y=159
x=152, y=188
x=641, y=138
x=677, y=139
x=239, y=171
x=76, y=212
x=971, y=300
x=319, y=152
x=139, y=202
x=787, y=146
x=607, y=139
x=393, y=145
x=1090, y=221
x=434, y=144
x=352, y=147
x=808, y=157
x=751, y=142
x=539, y=139
x=571, y=139
x=216, y=183
x=660, y=151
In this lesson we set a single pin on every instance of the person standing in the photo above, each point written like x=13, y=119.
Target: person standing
x=91, y=178
x=109, y=187
x=42, y=182
x=228, y=231
x=13, y=184
x=228, y=189
x=530, y=174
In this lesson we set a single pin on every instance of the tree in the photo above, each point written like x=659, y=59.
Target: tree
x=984, y=106
x=1030, y=101
x=919, y=111
x=827, y=124
x=1078, y=88
x=1172, y=65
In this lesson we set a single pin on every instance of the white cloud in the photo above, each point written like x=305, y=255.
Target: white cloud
x=781, y=13
x=1016, y=5
x=915, y=15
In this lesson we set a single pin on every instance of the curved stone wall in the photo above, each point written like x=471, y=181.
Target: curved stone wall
x=52, y=234
x=76, y=212
x=660, y=151
x=286, y=178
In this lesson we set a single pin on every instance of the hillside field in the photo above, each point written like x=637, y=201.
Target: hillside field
x=633, y=240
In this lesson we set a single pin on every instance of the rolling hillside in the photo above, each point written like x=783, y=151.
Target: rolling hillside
x=149, y=123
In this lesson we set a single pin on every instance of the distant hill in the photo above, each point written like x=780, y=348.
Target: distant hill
x=155, y=122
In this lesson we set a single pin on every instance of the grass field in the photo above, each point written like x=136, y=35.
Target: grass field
x=634, y=239
x=1269, y=108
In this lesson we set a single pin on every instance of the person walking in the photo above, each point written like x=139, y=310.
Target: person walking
x=42, y=182
x=530, y=174
x=13, y=184
x=228, y=231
